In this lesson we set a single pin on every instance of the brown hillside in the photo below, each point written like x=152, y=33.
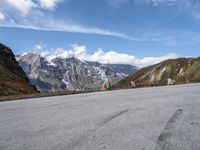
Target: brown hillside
x=13, y=80
x=173, y=71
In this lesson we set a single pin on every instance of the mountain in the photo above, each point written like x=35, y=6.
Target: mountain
x=169, y=72
x=121, y=69
x=54, y=73
x=13, y=80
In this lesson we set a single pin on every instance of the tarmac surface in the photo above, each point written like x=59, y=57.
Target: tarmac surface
x=158, y=118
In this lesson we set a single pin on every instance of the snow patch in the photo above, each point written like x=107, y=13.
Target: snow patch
x=17, y=58
x=33, y=76
x=23, y=54
x=68, y=85
x=100, y=72
x=121, y=74
x=51, y=64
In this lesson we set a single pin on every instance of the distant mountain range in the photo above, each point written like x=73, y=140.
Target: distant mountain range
x=13, y=80
x=168, y=72
x=53, y=73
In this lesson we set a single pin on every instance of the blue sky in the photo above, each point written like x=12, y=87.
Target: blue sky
x=139, y=28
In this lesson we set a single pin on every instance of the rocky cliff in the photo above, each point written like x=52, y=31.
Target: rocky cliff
x=13, y=80
x=53, y=74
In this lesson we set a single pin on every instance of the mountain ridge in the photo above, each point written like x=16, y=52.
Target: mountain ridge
x=51, y=73
x=168, y=72
x=13, y=80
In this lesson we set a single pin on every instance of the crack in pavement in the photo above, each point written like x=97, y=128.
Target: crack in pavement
x=163, y=142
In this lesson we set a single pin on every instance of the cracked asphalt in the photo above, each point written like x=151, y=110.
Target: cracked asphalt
x=159, y=118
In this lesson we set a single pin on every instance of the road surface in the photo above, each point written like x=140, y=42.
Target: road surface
x=159, y=118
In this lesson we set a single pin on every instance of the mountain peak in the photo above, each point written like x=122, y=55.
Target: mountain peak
x=55, y=73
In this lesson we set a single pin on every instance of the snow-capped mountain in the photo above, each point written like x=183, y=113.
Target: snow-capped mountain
x=52, y=73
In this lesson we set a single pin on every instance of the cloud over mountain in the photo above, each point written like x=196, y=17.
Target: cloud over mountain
x=112, y=57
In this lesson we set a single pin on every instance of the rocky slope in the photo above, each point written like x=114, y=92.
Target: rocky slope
x=169, y=72
x=53, y=74
x=13, y=80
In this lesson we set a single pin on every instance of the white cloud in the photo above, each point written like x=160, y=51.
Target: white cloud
x=39, y=21
x=103, y=57
x=2, y=17
x=154, y=60
x=49, y=4
x=182, y=3
x=40, y=46
x=33, y=17
x=23, y=6
x=158, y=2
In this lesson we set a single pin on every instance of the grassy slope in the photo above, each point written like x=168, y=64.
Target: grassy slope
x=190, y=67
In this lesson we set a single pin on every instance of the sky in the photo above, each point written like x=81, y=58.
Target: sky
x=138, y=32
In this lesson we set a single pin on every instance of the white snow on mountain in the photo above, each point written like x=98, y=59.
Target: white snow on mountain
x=121, y=74
x=59, y=71
x=113, y=57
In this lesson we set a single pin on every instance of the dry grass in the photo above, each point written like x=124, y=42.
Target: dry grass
x=190, y=67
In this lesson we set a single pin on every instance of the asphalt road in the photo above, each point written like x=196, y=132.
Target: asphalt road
x=160, y=118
